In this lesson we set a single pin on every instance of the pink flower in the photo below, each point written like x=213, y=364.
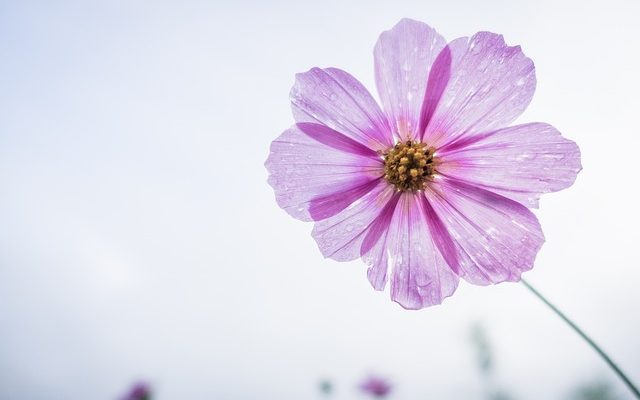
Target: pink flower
x=376, y=387
x=435, y=186
x=139, y=391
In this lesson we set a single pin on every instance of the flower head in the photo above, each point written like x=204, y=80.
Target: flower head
x=376, y=386
x=435, y=185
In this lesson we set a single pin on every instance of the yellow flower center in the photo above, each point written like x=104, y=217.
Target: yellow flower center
x=409, y=165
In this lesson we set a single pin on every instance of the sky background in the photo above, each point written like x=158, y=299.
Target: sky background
x=140, y=240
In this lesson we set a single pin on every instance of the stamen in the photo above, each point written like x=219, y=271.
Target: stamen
x=409, y=165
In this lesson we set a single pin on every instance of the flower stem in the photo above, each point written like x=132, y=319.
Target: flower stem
x=590, y=341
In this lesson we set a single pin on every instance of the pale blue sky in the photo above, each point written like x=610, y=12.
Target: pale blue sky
x=139, y=238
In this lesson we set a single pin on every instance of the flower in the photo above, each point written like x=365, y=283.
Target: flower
x=139, y=391
x=376, y=386
x=435, y=186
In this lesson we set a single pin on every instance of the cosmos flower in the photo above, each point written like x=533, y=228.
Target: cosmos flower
x=376, y=386
x=435, y=185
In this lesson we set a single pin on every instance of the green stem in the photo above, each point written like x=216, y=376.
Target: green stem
x=590, y=341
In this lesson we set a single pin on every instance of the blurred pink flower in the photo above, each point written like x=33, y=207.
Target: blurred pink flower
x=139, y=391
x=435, y=186
x=376, y=386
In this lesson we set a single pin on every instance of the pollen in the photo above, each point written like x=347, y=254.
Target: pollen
x=409, y=165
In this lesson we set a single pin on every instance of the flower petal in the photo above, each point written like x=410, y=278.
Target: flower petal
x=340, y=237
x=316, y=172
x=336, y=99
x=489, y=85
x=402, y=61
x=519, y=162
x=420, y=276
x=493, y=239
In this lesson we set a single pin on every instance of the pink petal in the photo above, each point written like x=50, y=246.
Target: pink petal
x=402, y=60
x=336, y=99
x=310, y=164
x=340, y=237
x=420, y=276
x=336, y=140
x=492, y=238
x=327, y=206
x=519, y=162
x=489, y=85
x=374, y=250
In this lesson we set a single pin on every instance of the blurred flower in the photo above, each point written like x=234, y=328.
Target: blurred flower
x=434, y=186
x=376, y=386
x=139, y=391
